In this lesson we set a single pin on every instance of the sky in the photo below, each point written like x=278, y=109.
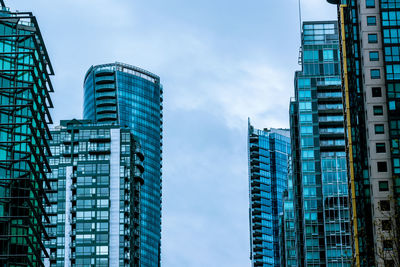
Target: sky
x=220, y=62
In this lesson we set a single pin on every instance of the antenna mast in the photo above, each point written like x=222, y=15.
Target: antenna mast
x=2, y=3
x=300, y=15
x=301, y=49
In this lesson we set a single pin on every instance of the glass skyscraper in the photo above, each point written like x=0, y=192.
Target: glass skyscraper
x=319, y=173
x=24, y=118
x=288, y=238
x=268, y=152
x=130, y=96
x=96, y=180
x=371, y=87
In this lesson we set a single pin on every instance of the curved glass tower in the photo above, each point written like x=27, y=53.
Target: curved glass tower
x=126, y=95
x=268, y=152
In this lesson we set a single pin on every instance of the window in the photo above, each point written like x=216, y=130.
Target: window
x=384, y=205
x=386, y=225
x=370, y=3
x=328, y=55
x=383, y=186
x=372, y=38
x=393, y=71
x=378, y=110
x=305, y=106
x=375, y=74
x=371, y=20
x=379, y=129
x=380, y=148
x=374, y=56
x=305, y=117
x=387, y=244
x=376, y=92
x=382, y=166
x=311, y=56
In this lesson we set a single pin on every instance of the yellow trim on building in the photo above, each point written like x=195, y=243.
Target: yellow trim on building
x=349, y=136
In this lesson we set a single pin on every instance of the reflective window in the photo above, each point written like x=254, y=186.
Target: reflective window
x=371, y=20
x=372, y=38
x=374, y=56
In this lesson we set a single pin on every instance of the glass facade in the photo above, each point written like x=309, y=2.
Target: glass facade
x=288, y=221
x=390, y=23
x=318, y=192
x=95, y=202
x=268, y=166
x=132, y=97
x=24, y=114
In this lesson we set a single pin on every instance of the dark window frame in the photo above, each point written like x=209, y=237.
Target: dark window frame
x=380, y=148
x=372, y=38
x=376, y=91
x=382, y=166
x=373, y=58
x=378, y=126
x=378, y=110
x=370, y=3
x=383, y=186
x=371, y=20
x=375, y=74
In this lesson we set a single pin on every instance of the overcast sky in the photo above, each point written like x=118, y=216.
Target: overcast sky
x=220, y=61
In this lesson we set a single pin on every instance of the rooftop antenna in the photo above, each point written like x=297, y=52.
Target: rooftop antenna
x=299, y=14
x=300, y=50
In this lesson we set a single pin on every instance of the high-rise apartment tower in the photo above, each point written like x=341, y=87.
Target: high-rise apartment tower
x=129, y=96
x=268, y=165
x=319, y=173
x=370, y=48
x=95, y=205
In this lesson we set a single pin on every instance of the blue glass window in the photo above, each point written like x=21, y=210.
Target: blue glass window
x=311, y=56
x=378, y=110
x=374, y=56
x=372, y=38
x=371, y=20
x=379, y=129
x=370, y=3
x=304, y=83
x=393, y=71
x=375, y=74
x=328, y=55
x=383, y=186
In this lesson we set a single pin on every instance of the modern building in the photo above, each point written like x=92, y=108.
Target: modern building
x=129, y=96
x=319, y=173
x=371, y=87
x=25, y=88
x=288, y=237
x=95, y=202
x=268, y=152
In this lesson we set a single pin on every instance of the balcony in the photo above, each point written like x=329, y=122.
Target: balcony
x=106, y=109
x=254, y=148
x=105, y=95
x=257, y=248
x=106, y=116
x=100, y=138
x=104, y=79
x=104, y=72
x=106, y=102
x=105, y=87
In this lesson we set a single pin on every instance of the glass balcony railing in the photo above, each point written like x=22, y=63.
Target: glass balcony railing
x=103, y=102
x=100, y=95
x=107, y=78
x=105, y=87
